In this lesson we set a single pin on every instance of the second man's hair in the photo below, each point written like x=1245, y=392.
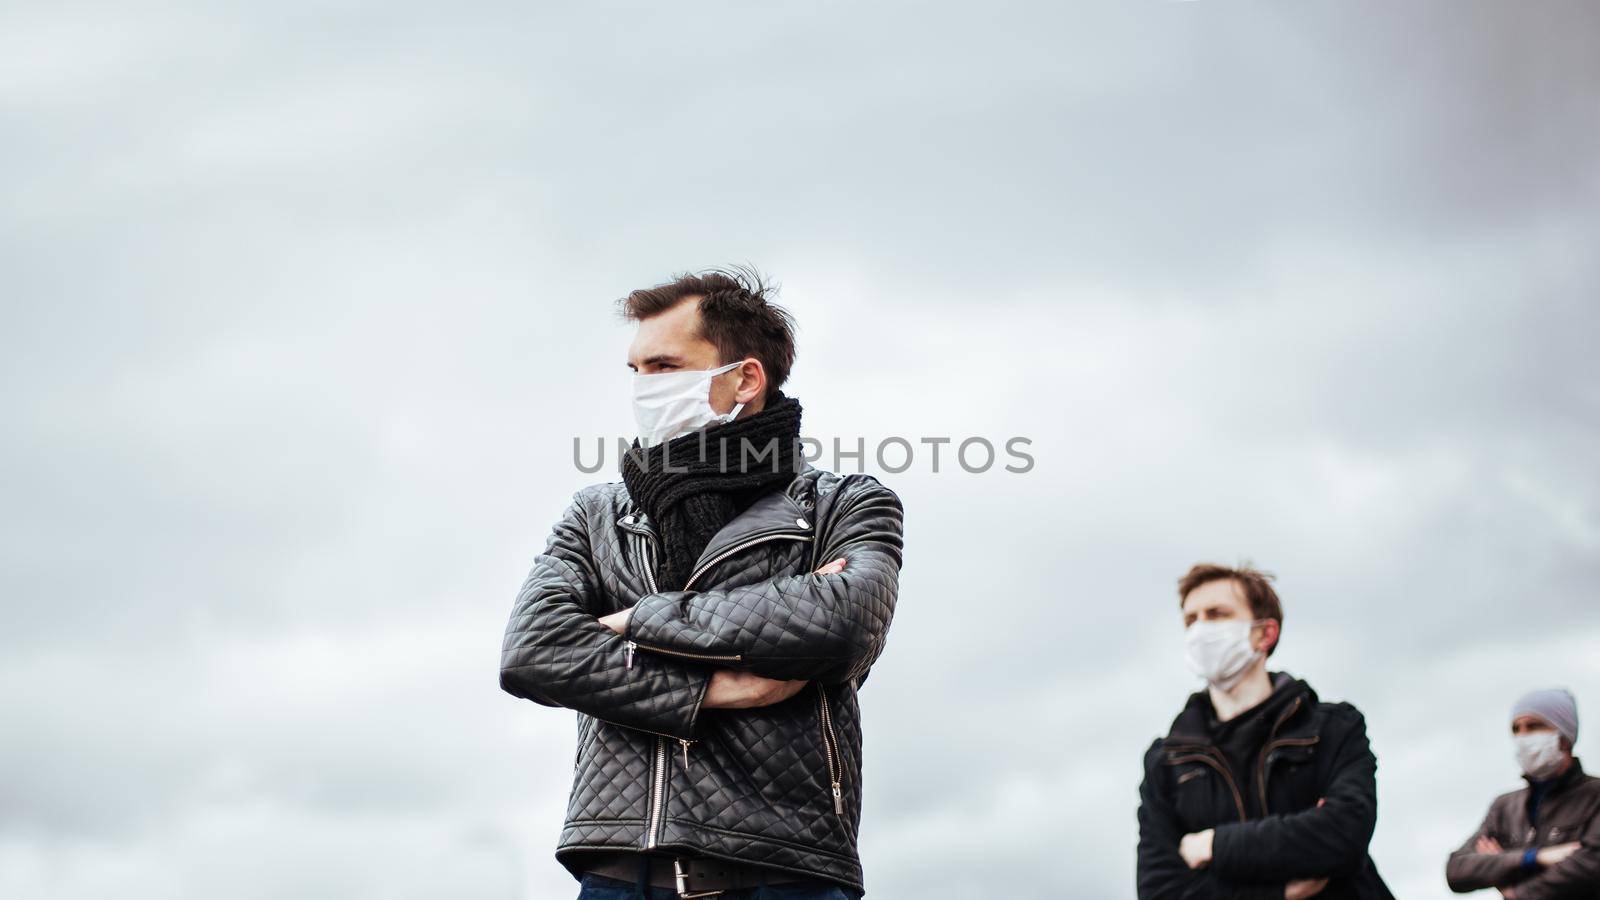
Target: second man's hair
x=1254, y=583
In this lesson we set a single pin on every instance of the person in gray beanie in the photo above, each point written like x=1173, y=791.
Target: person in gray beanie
x=1541, y=842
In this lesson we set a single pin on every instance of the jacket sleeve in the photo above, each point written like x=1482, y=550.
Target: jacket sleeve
x=1468, y=870
x=1577, y=876
x=827, y=628
x=557, y=653
x=1326, y=841
x=1161, y=872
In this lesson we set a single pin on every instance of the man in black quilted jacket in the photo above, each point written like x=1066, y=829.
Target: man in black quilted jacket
x=710, y=619
x=1260, y=790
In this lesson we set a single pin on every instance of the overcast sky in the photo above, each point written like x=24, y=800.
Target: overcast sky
x=304, y=304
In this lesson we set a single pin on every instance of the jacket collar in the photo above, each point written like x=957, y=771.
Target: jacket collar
x=774, y=513
x=1290, y=699
x=1570, y=777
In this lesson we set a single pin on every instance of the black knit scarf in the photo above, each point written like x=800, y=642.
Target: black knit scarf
x=694, y=484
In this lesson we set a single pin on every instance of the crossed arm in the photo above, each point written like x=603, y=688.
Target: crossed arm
x=1569, y=870
x=829, y=625
x=735, y=688
x=1561, y=870
x=1163, y=872
x=820, y=626
x=1325, y=841
x=1294, y=854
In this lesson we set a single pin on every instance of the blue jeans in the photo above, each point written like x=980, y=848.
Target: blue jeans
x=599, y=887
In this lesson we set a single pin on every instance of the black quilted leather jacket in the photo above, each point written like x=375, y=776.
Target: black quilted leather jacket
x=777, y=786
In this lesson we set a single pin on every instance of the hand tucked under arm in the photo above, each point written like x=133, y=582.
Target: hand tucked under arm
x=1481, y=862
x=1162, y=871
x=733, y=689
x=618, y=621
x=1302, y=888
x=1327, y=840
x=1574, y=871
x=823, y=626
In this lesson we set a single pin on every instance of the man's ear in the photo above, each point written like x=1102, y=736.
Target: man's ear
x=1271, y=630
x=752, y=381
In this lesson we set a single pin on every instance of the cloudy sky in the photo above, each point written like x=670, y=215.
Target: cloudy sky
x=304, y=304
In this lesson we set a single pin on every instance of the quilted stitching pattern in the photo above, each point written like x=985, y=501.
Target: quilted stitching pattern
x=757, y=784
x=557, y=653
x=816, y=627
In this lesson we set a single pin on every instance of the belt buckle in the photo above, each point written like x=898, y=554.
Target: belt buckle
x=680, y=876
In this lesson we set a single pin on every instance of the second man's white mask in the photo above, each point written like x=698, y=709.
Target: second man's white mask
x=1220, y=652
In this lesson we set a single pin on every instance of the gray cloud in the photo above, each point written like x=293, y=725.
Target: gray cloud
x=304, y=308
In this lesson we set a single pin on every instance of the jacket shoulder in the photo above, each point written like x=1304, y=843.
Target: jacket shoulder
x=602, y=502
x=1502, y=809
x=1588, y=785
x=1152, y=779
x=1337, y=724
x=831, y=484
x=1341, y=715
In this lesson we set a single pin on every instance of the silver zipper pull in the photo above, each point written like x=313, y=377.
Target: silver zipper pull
x=685, y=744
x=627, y=654
x=838, y=799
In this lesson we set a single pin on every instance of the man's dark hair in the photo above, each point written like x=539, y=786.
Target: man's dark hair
x=735, y=316
x=1254, y=583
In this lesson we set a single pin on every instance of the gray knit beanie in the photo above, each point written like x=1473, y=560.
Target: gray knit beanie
x=1556, y=706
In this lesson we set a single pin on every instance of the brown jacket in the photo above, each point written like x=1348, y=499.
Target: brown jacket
x=1569, y=812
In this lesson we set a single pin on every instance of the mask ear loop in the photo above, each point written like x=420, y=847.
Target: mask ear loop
x=734, y=413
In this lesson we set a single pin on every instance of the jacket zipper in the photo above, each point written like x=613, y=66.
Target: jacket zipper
x=1205, y=755
x=1271, y=745
x=1266, y=761
x=705, y=656
x=830, y=743
x=647, y=551
x=658, y=793
x=647, y=563
x=658, y=762
x=658, y=772
x=778, y=536
x=628, y=646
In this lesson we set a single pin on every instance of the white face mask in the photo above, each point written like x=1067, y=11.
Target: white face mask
x=1220, y=651
x=672, y=404
x=1539, y=753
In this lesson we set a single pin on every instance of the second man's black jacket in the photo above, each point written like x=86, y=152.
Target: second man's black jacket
x=1270, y=829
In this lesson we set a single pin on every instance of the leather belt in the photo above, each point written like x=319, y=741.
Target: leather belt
x=697, y=877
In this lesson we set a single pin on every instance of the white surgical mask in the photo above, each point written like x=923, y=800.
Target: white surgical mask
x=672, y=404
x=1539, y=753
x=1220, y=651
